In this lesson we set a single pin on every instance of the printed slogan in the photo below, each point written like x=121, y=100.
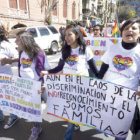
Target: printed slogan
x=99, y=45
x=105, y=106
x=20, y=97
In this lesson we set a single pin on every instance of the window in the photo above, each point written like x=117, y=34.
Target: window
x=32, y=31
x=43, y=31
x=53, y=30
x=65, y=8
x=22, y=5
x=18, y=4
x=73, y=10
x=13, y=4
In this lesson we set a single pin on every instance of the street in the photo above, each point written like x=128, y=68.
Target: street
x=111, y=26
x=53, y=128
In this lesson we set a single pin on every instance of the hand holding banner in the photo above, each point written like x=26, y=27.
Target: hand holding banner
x=106, y=106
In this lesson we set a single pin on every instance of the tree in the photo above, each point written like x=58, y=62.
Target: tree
x=132, y=13
x=48, y=6
x=125, y=12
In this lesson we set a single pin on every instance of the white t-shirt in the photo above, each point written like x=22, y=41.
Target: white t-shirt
x=77, y=63
x=27, y=67
x=7, y=51
x=124, y=66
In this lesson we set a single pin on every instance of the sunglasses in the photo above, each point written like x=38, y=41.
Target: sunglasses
x=96, y=29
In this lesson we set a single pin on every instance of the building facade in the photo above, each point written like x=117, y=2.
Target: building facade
x=89, y=10
x=29, y=12
x=133, y=4
x=101, y=11
x=67, y=10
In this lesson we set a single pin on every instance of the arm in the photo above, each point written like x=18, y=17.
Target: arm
x=138, y=93
x=103, y=70
x=5, y=61
x=92, y=66
x=40, y=62
x=58, y=68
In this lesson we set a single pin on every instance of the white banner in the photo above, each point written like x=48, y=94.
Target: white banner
x=106, y=106
x=20, y=97
x=99, y=45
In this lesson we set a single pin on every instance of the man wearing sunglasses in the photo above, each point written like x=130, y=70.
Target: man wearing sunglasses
x=97, y=30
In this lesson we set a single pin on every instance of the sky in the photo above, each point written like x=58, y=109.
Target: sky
x=113, y=1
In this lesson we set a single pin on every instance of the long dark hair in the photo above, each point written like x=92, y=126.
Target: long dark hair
x=66, y=49
x=2, y=35
x=28, y=43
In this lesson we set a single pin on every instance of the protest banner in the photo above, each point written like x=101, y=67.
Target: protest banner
x=99, y=45
x=86, y=101
x=20, y=96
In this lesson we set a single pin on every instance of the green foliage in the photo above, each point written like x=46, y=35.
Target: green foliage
x=125, y=12
x=132, y=13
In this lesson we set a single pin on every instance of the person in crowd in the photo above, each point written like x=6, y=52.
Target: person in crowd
x=97, y=30
x=75, y=47
x=8, y=54
x=62, y=32
x=90, y=32
x=126, y=74
x=81, y=25
x=87, y=29
x=29, y=50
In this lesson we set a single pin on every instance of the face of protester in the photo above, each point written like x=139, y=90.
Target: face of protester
x=96, y=31
x=91, y=30
x=19, y=44
x=131, y=33
x=71, y=38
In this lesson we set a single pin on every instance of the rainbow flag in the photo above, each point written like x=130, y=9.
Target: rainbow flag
x=115, y=30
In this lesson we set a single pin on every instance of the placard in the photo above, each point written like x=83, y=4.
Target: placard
x=96, y=103
x=20, y=96
x=99, y=45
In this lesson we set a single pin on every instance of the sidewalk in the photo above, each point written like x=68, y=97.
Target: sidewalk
x=53, y=129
